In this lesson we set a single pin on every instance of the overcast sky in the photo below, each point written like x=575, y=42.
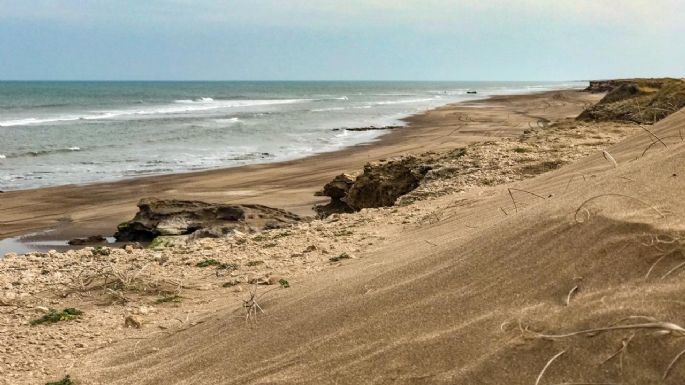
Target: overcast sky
x=341, y=39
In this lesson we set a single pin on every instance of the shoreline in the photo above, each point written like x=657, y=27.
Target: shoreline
x=80, y=210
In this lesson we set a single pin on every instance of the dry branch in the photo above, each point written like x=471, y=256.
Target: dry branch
x=673, y=362
x=542, y=372
x=570, y=295
x=614, y=195
x=663, y=326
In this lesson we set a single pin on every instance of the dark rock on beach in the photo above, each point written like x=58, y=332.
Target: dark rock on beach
x=337, y=190
x=175, y=217
x=380, y=185
x=371, y=128
x=92, y=240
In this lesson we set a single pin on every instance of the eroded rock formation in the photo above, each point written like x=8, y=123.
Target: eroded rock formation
x=175, y=217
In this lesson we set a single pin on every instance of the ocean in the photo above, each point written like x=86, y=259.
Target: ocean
x=57, y=133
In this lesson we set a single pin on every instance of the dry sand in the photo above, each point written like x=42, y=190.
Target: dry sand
x=477, y=281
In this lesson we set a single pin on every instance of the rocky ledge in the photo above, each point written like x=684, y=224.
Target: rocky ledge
x=380, y=185
x=157, y=217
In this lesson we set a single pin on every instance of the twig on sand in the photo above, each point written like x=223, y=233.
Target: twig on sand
x=429, y=242
x=504, y=211
x=673, y=362
x=620, y=352
x=251, y=306
x=655, y=142
x=571, y=180
x=653, y=135
x=654, y=265
x=587, y=383
x=527, y=192
x=578, y=210
x=542, y=372
x=610, y=158
x=571, y=293
x=673, y=270
x=663, y=326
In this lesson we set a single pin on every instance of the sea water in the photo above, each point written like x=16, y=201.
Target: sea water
x=57, y=133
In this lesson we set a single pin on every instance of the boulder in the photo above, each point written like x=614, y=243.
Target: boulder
x=381, y=184
x=157, y=217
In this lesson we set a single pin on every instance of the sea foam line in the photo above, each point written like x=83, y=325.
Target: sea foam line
x=179, y=106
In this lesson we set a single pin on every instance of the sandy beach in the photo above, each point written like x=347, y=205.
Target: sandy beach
x=539, y=248
x=77, y=211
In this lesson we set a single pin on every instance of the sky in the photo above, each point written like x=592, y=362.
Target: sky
x=340, y=40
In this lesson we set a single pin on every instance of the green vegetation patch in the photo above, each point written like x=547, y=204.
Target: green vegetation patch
x=169, y=298
x=53, y=316
x=219, y=265
x=284, y=283
x=65, y=381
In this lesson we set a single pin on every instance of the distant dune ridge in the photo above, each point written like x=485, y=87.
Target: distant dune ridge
x=529, y=259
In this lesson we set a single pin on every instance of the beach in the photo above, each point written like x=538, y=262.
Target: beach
x=78, y=211
x=537, y=247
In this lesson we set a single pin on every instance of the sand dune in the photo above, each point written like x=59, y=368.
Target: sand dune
x=466, y=299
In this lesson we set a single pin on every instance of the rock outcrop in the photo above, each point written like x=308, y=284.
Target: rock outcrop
x=175, y=217
x=643, y=101
x=380, y=185
x=337, y=190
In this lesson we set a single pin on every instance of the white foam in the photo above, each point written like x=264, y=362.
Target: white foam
x=74, y=148
x=328, y=109
x=177, y=108
x=229, y=120
x=2, y=156
x=407, y=101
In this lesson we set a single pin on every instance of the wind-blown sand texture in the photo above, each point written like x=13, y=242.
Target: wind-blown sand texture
x=481, y=276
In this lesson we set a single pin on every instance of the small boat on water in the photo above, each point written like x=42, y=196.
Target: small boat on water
x=472, y=92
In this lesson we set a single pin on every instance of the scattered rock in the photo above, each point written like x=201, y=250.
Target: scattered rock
x=174, y=217
x=131, y=322
x=92, y=240
x=129, y=247
x=372, y=128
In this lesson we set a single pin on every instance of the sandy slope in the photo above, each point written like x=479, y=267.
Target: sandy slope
x=463, y=299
